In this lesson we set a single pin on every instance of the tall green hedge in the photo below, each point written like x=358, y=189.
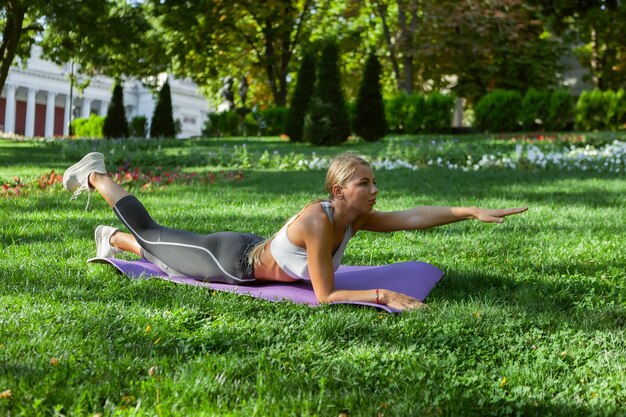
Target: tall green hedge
x=369, y=120
x=326, y=122
x=305, y=86
x=116, y=125
x=163, y=119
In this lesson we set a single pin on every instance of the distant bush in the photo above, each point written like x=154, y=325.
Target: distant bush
x=560, y=111
x=394, y=113
x=601, y=110
x=414, y=110
x=222, y=124
x=419, y=113
x=438, y=112
x=250, y=124
x=498, y=111
x=138, y=126
x=535, y=109
x=90, y=127
x=272, y=121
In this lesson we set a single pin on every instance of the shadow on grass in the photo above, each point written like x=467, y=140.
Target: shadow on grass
x=20, y=154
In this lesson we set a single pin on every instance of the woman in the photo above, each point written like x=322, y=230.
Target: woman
x=309, y=246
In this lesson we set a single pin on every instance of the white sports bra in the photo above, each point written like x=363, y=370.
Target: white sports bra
x=293, y=259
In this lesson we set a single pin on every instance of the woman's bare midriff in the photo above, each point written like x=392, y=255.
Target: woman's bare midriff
x=268, y=269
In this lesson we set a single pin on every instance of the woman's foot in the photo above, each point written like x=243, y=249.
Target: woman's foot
x=104, y=249
x=76, y=177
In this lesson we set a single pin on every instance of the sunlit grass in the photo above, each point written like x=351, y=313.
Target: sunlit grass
x=529, y=318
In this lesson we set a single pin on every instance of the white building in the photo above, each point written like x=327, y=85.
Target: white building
x=35, y=100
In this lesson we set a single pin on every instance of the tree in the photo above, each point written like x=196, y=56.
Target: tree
x=102, y=36
x=305, y=86
x=597, y=30
x=326, y=122
x=115, y=124
x=369, y=122
x=476, y=47
x=163, y=121
x=208, y=40
x=400, y=43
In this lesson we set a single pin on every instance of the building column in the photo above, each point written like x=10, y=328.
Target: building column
x=50, y=102
x=9, y=111
x=66, y=116
x=30, y=113
x=85, y=110
x=104, y=107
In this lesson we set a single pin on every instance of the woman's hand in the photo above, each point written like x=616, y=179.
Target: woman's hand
x=496, y=215
x=399, y=301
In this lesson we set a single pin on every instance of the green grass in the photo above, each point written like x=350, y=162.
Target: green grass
x=529, y=318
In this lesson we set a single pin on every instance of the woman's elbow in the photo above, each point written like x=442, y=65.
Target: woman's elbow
x=323, y=298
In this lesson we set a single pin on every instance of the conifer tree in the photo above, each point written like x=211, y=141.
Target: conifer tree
x=115, y=124
x=369, y=121
x=305, y=85
x=326, y=122
x=163, y=120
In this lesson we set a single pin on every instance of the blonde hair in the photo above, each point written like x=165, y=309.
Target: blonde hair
x=341, y=169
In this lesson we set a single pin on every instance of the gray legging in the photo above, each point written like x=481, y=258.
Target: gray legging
x=219, y=256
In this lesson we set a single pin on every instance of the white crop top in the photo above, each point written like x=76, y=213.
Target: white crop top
x=293, y=259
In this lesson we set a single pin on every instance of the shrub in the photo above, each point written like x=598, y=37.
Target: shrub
x=222, y=124
x=115, y=124
x=601, y=110
x=561, y=110
x=369, y=119
x=498, y=111
x=272, y=121
x=138, y=126
x=620, y=110
x=250, y=124
x=78, y=127
x=437, y=116
x=595, y=110
x=163, y=120
x=88, y=127
x=413, y=109
x=395, y=113
x=535, y=109
x=305, y=86
x=326, y=122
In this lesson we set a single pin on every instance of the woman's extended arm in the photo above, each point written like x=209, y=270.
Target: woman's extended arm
x=317, y=234
x=425, y=217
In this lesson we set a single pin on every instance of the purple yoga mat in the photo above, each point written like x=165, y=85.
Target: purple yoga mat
x=416, y=279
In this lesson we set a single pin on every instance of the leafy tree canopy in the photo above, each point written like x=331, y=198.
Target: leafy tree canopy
x=109, y=37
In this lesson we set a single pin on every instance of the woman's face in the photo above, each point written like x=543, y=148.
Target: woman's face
x=360, y=192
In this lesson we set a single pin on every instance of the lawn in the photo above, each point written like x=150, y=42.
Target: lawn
x=529, y=318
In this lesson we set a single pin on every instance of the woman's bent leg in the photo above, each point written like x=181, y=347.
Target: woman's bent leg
x=109, y=189
x=214, y=257
x=125, y=242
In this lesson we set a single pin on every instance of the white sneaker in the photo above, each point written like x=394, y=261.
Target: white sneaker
x=103, y=245
x=75, y=177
